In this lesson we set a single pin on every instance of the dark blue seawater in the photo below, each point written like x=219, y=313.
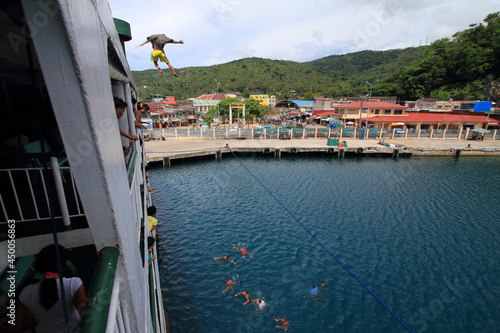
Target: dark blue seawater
x=422, y=234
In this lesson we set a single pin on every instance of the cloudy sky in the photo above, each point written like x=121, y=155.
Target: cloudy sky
x=219, y=31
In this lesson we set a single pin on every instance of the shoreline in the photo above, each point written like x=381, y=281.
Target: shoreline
x=170, y=149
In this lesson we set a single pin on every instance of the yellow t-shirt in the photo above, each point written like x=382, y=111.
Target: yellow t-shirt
x=152, y=222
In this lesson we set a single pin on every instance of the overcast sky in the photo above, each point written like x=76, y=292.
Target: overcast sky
x=219, y=31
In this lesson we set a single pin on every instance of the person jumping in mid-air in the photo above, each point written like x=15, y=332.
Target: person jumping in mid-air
x=158, y=41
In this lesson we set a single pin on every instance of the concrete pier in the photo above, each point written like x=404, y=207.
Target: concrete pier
x=166, y=151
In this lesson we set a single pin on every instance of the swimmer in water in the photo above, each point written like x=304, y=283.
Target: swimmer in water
x=224, y=258
x=229, y=285
x=284, y=323
x=247, y=296
x=314, y=291
x=243, y=251
x=260, y=303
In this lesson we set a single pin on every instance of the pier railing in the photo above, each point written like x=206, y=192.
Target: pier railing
x=318, y=132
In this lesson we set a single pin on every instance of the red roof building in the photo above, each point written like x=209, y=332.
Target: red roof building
x=419, y=120
x=213, y=97
x=381, y=114
x=431, y=118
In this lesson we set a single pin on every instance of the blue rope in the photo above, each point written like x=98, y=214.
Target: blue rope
x=320, y=243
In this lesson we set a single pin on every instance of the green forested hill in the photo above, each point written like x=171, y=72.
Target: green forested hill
x=368, y=65
x=466, y=66
x=333, y=75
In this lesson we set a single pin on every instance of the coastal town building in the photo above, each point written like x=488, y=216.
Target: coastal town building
x=324, y=103
x=430, y=121
x=294, y=105
x=447, y=105
x=359, y=113
x=429, y=104
x=263, y=99
x=202, y=104
x=451, y=106
x=379, y=114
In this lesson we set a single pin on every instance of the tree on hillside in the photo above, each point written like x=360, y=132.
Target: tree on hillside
x=419, y=80
x=460, y=67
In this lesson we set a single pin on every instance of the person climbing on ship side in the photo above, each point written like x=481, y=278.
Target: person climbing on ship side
x=152, y=220
x=158, y=42
x=143, y=108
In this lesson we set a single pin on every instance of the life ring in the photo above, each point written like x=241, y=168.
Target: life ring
x=293, y=150
x=359, y=151
x=267, y=150
x=330, y=151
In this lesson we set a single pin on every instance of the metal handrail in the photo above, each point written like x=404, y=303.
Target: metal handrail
x=15, y=203
x=99, y=302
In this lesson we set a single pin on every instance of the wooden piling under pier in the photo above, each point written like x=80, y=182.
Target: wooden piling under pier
x=274, y=152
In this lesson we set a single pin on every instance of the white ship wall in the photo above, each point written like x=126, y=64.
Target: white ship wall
x=72, y=47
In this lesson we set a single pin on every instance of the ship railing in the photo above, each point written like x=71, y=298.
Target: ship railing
x=106, y=311
x=158, y=316
x=130, y=160
x=137, y=186
x=26, y=194
x=103, y=312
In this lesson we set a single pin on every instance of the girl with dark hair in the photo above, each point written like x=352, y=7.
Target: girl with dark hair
x=43, y=299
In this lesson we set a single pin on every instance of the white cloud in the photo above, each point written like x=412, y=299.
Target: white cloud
x=219, y=31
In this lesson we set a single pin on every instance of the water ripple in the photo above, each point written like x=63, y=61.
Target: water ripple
x=420, y=233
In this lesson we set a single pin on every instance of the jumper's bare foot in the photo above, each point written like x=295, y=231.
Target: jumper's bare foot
x=176, y=75
x=159, y=70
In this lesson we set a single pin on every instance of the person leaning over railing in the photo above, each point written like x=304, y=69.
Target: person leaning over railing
x=120, y=107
